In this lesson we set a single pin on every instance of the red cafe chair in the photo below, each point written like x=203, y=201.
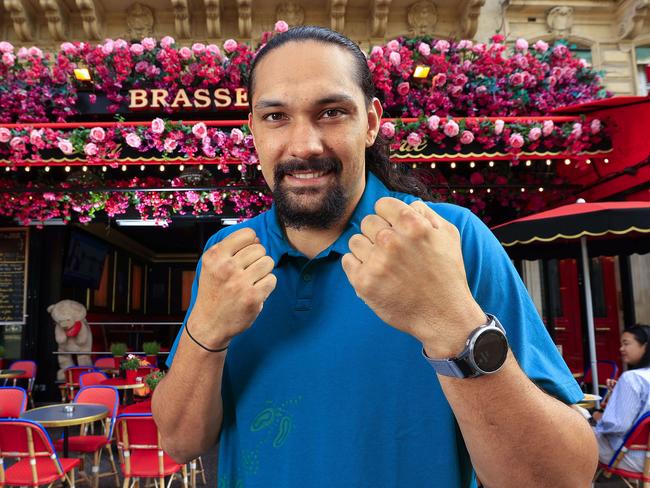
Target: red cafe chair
x=13, y=401
x=37, y=462
x=71, y=385
x=92, y=378
x=29, y=368
x=606, y=370
x=141, y=455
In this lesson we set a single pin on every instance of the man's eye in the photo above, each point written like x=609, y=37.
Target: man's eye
x=332, y=112
x=275, y=116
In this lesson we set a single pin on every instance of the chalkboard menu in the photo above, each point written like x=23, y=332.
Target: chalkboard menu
x=13, y=269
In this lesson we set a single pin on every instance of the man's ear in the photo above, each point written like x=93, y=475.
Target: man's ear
x=250, y=126
x=375, y=111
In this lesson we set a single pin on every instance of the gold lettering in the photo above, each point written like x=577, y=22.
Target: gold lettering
x=202, y=98
x=241, y=97
x=181, y=99
x=159, y=97
x=222, y=97
x=138, y=98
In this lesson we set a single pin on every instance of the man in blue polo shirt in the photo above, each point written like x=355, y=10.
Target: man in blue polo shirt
x=308, y=348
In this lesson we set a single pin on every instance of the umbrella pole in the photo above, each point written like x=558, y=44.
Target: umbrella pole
x=590, y=317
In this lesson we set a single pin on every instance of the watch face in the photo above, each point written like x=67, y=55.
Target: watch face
x=490, y=350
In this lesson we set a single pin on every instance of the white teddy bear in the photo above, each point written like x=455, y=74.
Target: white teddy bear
x=72, y=333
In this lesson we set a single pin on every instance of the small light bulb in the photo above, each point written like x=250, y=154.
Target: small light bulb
x=472, y=164
x=27, y=169
x=606, y=160
x=453, y=165
x=142, y=167
x=433, y=165
x=67, y=169
x=162, y=167
x=47, y=169
x=548, y=162
x=523, y=190
x=471, y=190
x=588, y=161
x=454, y=192
x=541, y=189
x=104, y=169
x=528, y=162
x=491, y=164
x=567, y=161
x=181, y=167
x=84, y=168
x=259, y=167
x=239, y=167
x=124, y=167
x=200, y=167
x=414, y=166
x=489, y=190
x=7, y=168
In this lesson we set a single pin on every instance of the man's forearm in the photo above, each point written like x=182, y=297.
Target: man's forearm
x=187, y=403
x=517, y=435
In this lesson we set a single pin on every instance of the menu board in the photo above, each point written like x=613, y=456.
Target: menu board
x=13, y=271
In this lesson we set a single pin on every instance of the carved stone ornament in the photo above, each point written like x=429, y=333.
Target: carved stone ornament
x=291, y=12
x=337, y=14
x=21, y=19
x=213, y=18
x=245, y=17
x=560, y=21
x=55, y=18
x=379, y=19
x=469, y=18
x=139, y=21
x=422, y=17
x=181, y=18
x=633, y=18
x=90, y=18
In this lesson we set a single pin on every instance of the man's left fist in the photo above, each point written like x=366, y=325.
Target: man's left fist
x=407, y=266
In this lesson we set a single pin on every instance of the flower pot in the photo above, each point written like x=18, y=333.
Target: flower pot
x=131, y=374
x=152, y=360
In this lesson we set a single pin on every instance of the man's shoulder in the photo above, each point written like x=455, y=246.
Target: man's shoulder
x=257, y=223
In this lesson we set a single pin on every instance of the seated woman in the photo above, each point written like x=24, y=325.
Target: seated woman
x=629, y=400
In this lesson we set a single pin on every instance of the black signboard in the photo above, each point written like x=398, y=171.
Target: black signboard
x=13, y=269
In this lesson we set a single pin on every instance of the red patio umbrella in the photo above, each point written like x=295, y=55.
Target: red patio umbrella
x=612, y=228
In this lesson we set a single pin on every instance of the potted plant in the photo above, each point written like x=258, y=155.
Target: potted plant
x=2, y=357
x=130, y=365
x=118, y=350
x=152, y=379
x=151, y=350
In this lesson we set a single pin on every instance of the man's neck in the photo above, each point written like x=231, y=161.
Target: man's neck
x=311, y=242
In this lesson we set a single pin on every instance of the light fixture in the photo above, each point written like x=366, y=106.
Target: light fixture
x=606, y=160
x=453, y=165
x=84, y=168
x=471, y=190
x=548, y=162
x=27, y=168
x=124, y=167
x=541, y=189
x=104, y=169
x=433, y=165
x=588, y=161
x=421, y=71
x=47, y=169
x=200, y=167
x=142, y=167
x=67, y=169
x=181, y=167
x=137, y=223
x=239, y=167
x=528, y=162
x=161, y=167
x=472, y=164
x=82, y=74
x=523, y=189
x=259, y=167
x=491, y=164
x=414, y=166
x=489, y=190
x=567, y=161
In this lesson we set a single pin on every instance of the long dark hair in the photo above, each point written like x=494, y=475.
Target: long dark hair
x=396, y=177
x=641, y=334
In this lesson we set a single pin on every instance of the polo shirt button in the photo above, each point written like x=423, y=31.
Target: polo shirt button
x=307, y=277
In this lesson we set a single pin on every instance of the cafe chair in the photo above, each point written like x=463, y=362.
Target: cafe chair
x=37, y=462
x=606, y=370
x=71, y=385
x=93, y=444
x=29, y=368
x=141, y=455
x=13, y=401
x=107, y=362
x=636, y=439
x=92, y=378
x=194, y=471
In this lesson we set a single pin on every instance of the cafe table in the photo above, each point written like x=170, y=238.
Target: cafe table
x=124, y=385
x=8, y=374
x=66, y=415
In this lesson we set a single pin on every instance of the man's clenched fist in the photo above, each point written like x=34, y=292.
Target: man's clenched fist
x=235, y=281
x=407, y=266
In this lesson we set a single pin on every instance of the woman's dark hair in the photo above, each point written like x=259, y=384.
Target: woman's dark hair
x=394, y=176
x=641, y=334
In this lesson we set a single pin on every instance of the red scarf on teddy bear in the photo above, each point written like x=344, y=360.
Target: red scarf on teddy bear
x=74, y=330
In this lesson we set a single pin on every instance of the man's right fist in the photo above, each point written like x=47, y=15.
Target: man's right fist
x=235, y=280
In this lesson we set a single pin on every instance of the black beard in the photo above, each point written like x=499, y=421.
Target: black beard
x=332, y=207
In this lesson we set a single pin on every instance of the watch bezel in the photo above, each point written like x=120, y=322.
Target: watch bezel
x=471, y=348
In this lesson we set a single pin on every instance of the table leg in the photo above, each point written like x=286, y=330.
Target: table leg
x=66, y=431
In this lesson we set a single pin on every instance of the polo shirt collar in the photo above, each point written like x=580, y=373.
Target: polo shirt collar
x=278, y=245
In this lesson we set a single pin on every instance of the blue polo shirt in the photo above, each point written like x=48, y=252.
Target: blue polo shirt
x=320, y=392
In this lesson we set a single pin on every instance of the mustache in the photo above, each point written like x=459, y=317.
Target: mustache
x=328, y=164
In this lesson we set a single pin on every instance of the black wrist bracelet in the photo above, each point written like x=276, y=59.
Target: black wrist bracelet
x=201, y=345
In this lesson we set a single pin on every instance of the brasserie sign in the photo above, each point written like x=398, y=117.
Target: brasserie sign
x=200, y=99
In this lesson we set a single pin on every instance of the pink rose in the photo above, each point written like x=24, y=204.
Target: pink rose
x=521, y=44
x=466, y=137
x=414, y=139
x=198, y=48
x=17, y=143
x=133, y=140
x=464, y=44
x=424, y=49
x=5, y=134
x=516, y=79
x=395, y=58
x=595, y=126
x=107, y=47
x=403, y=88
x=480, y=90
x=36, y=136
x=281, y=26
x=214, y=50
x=170, y=144
x=377, y=51
x=68, y=48
x=439, y=80
x=547, y=128
x=121, y=44
x=65, y=146
x=208, y=150
x=559, y=49
x=6, y=47
x=192, y=196
x=200, y=130
x=49, y=196
x=387, y=129
x=577, y=129
x=450, y=128
x=35, y=52
x=433, y=122
x=92, y=98
x=535, y=133
x=442, y=46
x=97, y=134
x=148, y=43
x=137, y=49
x=552, y=80
x=91, y=149
x=23, y=53
x=498, y=38
x=498, y=126
x=392, y=45
x=157, y=126
x=237, y=136
x=478, y=48
x=167, y=41
x=230, y=45
x=540, y=46
x=8, y=59
x=516, y=140
x=185, y=53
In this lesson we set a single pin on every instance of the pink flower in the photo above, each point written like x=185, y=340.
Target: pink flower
x=148, y=43
x=35, y=52
x=49, y=196
x=65, y=146
x=167, y=41
x=498, y=38
x=8, y=59
x=392, y=45
x=516, y=79
x=387, y=129
x=395, y=58
x=17, y=143
x=442, y=46
x=281, y=26
x=5, y=134
x=92, y=98
x=237, y=136
x=214, y=50
x=498, y=126
x=559, y=49
x=200, y=130
x=91, y=149
x=185, y=53
x=170, y=144
x=36, y=136
x=595, y=126
x=439, y=80
x=23, y=53
x=403, y=88
x=107, y=47
x=157, y=126
x=377, y=51
x=137, y=49
x=540, y=46
x=68, y=48
x=414, y=139
x=466, y=137
x=516, y=140
x=450, y=128
x=97, y=134
x=121, y=44
x=192, y=196
x=133, y=140
x=480, y=90
x=521, y=44
x=6, y=47
x=433, y=122
x=464, y=44
x=577, y=129
x=535, y=133
x=424, y=49
x=198, y=48
x=230, y=45
x=547, y=128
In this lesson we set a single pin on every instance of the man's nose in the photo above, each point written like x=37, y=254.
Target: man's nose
x=306, y=141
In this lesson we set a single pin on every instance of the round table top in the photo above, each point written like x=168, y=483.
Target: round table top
x=11, y=373
x=56, y=416
x=121, y=384
x=589, y=400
